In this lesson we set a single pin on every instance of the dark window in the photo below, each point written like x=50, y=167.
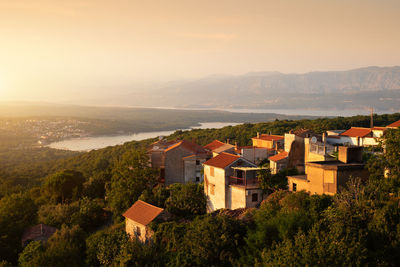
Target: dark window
x=294, y=187
x=197, y=162
x=138, y=231
x=197, y=179
x=254, y=197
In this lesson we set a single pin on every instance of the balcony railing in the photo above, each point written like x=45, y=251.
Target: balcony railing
x=242, y=181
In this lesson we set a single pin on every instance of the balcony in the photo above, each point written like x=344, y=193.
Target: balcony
x=245, y=177
x=248, y=183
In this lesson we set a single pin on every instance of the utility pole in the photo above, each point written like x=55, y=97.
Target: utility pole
x=372, y=118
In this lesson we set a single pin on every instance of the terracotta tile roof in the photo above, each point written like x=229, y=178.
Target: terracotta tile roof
x=195, y=148
x=223, y=148
x=279, y=156
x=394, y=124
x=222, y=160
x=40, y=231
x=142, y=212
x=214, y=144
x=357, y=132
x=268, y=137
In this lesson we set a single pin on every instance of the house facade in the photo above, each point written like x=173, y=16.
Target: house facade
x=230, y=182
x=179, y=161
x=326, y=177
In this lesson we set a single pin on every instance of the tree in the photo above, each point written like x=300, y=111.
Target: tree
x=131, y=177
x=32, y=255
x=186, y=200
x=17, y=212
x=104, y=246
x=64, y=185
x=272, y=182
x=66, y=247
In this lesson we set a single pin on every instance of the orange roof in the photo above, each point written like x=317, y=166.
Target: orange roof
x=279, y=156
x=222, y=160
x=214, y=144
x=268, y=137
x=357, y=132
x=394, y=124
x=142, y=212
x=195, y=148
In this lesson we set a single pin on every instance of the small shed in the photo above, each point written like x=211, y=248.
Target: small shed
x=138, y=217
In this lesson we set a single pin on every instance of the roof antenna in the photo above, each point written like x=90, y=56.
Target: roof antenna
x=372, y=118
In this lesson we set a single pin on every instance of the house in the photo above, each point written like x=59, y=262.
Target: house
x=179, y=161
x=230, y=182
x=156, y=150
x=278, y=162
x=268, y=141
x=40, y=232
x=394, y=125
x=216, y=147
x=254, y=154
x=317, y=149
x=358, y=136
x=295, y=147
x=139, y=216
x=326, y=177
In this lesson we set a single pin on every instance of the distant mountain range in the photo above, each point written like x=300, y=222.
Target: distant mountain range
x=377, y=87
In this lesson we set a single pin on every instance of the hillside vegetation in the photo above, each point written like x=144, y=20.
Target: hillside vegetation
x=84, y=196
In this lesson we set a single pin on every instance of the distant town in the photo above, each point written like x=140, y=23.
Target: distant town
x=45, y=130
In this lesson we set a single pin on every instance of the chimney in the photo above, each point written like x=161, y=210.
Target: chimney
x=236, y=146
x=227, y=141
x=269, y=132
x=258, y=134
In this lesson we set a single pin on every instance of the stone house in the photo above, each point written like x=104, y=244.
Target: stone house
x=179, y=161
x=326, y=177
x=230, y=182
x=138, y=217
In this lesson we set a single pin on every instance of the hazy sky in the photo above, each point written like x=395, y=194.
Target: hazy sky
x=55, y=50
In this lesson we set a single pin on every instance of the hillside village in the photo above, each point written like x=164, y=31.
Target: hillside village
x=238, y=196
x=230, y=173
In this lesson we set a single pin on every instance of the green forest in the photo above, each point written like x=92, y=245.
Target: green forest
x=84, y=196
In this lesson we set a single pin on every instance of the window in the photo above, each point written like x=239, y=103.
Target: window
x=198, y=176
x=197, y=162
x=294, y=186
x=138, y=233
x=212, y=189
x=212, y=171
x=254, y=197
